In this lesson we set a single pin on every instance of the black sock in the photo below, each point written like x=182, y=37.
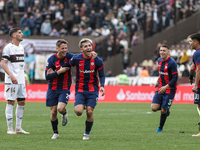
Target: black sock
x=163, y=118
x=55, y=126
x=88, y=127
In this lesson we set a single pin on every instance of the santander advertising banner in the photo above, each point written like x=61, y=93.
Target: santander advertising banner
x=114, y=94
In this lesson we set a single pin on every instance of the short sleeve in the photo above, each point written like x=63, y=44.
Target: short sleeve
x=174, y=68
x=100, y=63
x=196, y=58
x=6, y=53
x=49, y=63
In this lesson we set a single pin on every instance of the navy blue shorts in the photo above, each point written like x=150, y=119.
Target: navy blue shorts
x=165, y=100
x=196, y=97
x=86, y=99
x=55, y=96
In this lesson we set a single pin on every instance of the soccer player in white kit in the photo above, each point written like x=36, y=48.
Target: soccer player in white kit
x=13, y=64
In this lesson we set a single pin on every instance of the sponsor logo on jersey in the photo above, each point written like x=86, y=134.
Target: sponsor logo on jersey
x=163, y=73
x=92, y=63
x=19, y=58
x=86, y=71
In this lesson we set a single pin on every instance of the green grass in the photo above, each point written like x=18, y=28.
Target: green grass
x=117, y=126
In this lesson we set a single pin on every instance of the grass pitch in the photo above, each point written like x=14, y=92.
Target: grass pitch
x=117, y=126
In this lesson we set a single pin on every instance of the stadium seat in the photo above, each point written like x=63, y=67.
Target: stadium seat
x=189, y=52
x=145, y=63
x=173, y=53
x=181, y=68
x=193, y=51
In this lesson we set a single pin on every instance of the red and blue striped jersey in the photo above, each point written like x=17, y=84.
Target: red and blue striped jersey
x=196, y=60
x=86, y=73
x=62, y=81
x=168, y=74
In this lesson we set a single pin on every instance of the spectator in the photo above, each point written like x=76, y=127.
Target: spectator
x=101, y=16
x=108, y=6
x=4, y=27
x=109, y=73
x=54, y=32
x=21, y=5
x=58, y=13
x=149, y=26
x=154, y=71
x=92, y=18
x=184, y=58
x=122, y=34
x=52, y=6
x=185, y=72
x=32, y=24
x=114, y=22
x=134, y=69
x=122, y=27
x=102, y=5
x=144, y=72
x=105, y=31
x=26, y=31
x=77, y=18
x=57, y=24
x=10, y=8
x=10, y=25
x=38, y=22
x=83, y=9
x=29, y=12
x=24, y=22
x=110, y=46
x=126, y=53
x=85, y=22
x=135, y=39
x=2, y=3
x=127, y=71
x=46, y=27
x=121, y=16
x=124, y=43
x=63, y=32
x=133, y=28
x=164, y=20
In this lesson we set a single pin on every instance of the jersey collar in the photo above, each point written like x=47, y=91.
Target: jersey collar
x=166, y=59
x=198, y=49
x=58, y=57
x=86, y=58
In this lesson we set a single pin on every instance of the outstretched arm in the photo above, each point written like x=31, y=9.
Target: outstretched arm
x=102, y=80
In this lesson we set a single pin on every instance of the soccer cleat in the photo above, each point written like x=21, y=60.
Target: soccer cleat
x=64, y=119
x=21, y=131
x=196, y=134
x=85, y=136
x=11, y=131
x=159, y=130
x=55, y=136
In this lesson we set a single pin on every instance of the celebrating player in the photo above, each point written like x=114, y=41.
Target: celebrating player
x=194, y=41
x=13, y=64
x=87, y=83
x=166, y=85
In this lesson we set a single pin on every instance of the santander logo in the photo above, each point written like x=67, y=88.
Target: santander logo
x=121, y=96
x=134, y=96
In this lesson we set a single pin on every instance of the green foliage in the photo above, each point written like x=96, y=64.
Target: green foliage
x=117, y=126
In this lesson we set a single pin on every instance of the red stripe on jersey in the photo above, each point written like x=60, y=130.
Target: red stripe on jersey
x=197, y=64
x=175, y=73
x=160, y=80
x=101, y=67
x=55, y=80
x=166, y=76
x=66, y=77
x=91, y=80
x=81, y=75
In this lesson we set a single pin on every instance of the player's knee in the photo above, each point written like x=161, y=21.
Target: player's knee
x=78, y=113
x=89, y=112
x=154, y=109
x=61, y=109
x=163, y=111
x=53, y=113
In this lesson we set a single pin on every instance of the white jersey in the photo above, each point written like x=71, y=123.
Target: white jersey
x=15, y=56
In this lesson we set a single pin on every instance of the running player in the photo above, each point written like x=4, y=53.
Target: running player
x=13, y=64
x=194, y=41
x=166, y=85
x=87, y=83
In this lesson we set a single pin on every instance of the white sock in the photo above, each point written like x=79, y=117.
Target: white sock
x=19, y=114
x=9, y=115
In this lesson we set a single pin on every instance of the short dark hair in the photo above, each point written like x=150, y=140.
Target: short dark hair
x=59, y=42
x=195, y=36
x=165, y=45
x=13, y=30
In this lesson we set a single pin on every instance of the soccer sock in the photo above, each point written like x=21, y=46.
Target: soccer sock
x=19, y=115
x=88, y=127
x=163, y=118
x=9, y=115
x=55, y=126
x=198, y=111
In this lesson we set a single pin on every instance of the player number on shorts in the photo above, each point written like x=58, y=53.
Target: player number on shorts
x=196, y=96
x=13, y=90
x=170, y=102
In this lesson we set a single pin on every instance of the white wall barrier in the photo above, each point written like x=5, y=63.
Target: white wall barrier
x=132, y=81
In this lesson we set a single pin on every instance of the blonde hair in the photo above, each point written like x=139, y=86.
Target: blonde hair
x=84, y=40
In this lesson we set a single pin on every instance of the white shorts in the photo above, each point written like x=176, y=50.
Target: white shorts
x=15, y=91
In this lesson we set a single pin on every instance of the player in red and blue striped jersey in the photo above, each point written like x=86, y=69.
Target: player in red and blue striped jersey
x=194, y=41
x=59, y=84
x=166, y=85
x=87, y=83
